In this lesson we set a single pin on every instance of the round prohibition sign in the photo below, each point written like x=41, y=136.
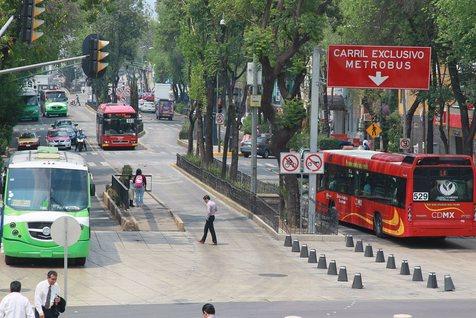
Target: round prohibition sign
x=290, y=163
x=313, y=163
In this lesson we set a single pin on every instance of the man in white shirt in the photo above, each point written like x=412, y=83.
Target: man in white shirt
x=211, y=211
x=15, y=305
x=47, y=295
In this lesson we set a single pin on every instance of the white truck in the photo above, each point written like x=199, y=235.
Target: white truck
x=164, y=97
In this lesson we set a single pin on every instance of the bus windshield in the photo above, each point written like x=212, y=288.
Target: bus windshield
x=119, y=125
x=45, y=189
x=56, y=97
x=30, y=100
x=443, y=184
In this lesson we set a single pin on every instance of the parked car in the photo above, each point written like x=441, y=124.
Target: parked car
x=262, y=147
x=147, y=107
x=28, y=140
x=58, y=138
x=71, y=133
x=164, y=109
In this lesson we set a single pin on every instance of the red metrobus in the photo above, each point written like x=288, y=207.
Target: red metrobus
x=400, y=195
x=116, y=126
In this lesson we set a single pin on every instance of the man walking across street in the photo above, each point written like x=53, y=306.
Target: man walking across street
x=47, y=300
x=211, y=211
x=15, y=305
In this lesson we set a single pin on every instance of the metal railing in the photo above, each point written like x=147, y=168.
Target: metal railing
x=241, y=196
x=121, y=190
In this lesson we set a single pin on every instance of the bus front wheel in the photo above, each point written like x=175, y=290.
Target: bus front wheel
x=378, y=225
x=80, y=261
x=9, y=260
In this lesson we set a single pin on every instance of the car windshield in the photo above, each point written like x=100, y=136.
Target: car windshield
x=118, y=125
x=58, y=133
x=443, y=184
x=63, y=123
x=56, y=97
x=30, y=100
x=27, y=135
x=44, y=189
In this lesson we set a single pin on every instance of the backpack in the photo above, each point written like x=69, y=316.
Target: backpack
x=139, y=182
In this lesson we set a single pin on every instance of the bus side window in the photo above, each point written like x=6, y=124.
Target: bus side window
x=396, y=191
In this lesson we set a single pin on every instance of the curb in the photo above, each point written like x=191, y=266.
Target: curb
x=178, y=221
x=127, y=221
x=184, y=143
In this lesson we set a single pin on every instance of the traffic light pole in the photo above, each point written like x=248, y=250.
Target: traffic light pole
x=33, y=66
x=7, y=24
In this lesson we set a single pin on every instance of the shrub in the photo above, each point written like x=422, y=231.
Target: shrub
x=183, y=134
x=326, y=143
x=126, y=174
x=180, y=108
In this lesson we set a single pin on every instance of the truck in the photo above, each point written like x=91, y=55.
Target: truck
x=29, y=104
x=164, y=101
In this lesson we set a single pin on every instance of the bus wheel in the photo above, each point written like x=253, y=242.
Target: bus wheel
x=9, y=260
x=80, y=261
x=378, y=225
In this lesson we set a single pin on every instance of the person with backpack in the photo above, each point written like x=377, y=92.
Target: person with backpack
x=139, y=185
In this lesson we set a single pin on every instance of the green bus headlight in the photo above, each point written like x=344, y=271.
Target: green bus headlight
x=15, y=232
x=12, y=225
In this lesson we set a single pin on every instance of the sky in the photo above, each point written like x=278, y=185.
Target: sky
x=151, y=4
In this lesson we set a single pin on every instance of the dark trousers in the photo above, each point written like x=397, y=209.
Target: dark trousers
x=209, y=226
x=49, y=313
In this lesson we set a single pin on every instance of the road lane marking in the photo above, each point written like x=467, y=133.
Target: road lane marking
x=92, y=164
x=104, y=163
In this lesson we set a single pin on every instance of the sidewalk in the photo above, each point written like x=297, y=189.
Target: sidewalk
x=153, y=215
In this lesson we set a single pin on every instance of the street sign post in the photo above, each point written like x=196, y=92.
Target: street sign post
x=374, y=130
x=313, y=163
x=255, y=101
x=65, y=231
x=290, y=163
x=378, y=67
x=405, y=143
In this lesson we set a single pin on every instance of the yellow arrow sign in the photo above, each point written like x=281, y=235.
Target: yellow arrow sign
x=374, y=130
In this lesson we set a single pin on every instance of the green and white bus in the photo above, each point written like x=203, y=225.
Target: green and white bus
x=30, y=106
x=39, y=187
x=54, y=103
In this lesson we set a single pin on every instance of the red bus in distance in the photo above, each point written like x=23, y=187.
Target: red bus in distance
x=116, y=126
x=401, y=195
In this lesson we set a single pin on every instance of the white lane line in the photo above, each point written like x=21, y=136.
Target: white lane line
x=104, y=163
x=91, y=164
x=270, y=165
x=94, y=153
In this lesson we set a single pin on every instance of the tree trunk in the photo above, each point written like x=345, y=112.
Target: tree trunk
x=208, y=123
x=326, y=130
x=235, y=137
x=200, y=142
x=228, y=90
x=429, y=135
x=409, y=118
x=467, y=130
x=175, y=91
x=191, y=119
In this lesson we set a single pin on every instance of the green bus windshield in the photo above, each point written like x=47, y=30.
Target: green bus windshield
x=30, y=100
x=45, y=189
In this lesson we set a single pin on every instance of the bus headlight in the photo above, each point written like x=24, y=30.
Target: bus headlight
x=12, y=225
x=15, y=232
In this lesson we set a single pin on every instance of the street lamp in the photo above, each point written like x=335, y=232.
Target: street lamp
x=222, y=37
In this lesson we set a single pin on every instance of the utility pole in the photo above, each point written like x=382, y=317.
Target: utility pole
x=315, y=91
x=254, y=122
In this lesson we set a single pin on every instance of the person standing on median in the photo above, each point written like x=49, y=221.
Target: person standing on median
x=15, y=305
x=140, y=184
x=211, y=211
x=48, y=303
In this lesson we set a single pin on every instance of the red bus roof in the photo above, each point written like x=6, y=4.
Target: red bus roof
x=116, y=108
x=391, y=163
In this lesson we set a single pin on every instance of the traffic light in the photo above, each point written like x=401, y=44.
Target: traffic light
x=94, y=65
x=29, y=21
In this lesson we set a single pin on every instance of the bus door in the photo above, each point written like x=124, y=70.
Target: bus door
x=361, y=199
x=342, y=186
x=443, y=194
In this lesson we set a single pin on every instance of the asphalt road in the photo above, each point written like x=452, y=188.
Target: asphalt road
x=337, y=309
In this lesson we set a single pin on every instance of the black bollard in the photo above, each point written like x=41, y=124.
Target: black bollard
x=369, y=251
x=342, y=274
x=288, y=241
x=304, y=253
x=391, y=262
x=357, y=283
x=417, y=275
x=380, y=257
x=449, y=286
x=405, y=269
x=349, y=241
x=322, y=263
x=432, y=283
x=312, y=256
x=332, y=270
x=359, y=246
x=295, y=247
